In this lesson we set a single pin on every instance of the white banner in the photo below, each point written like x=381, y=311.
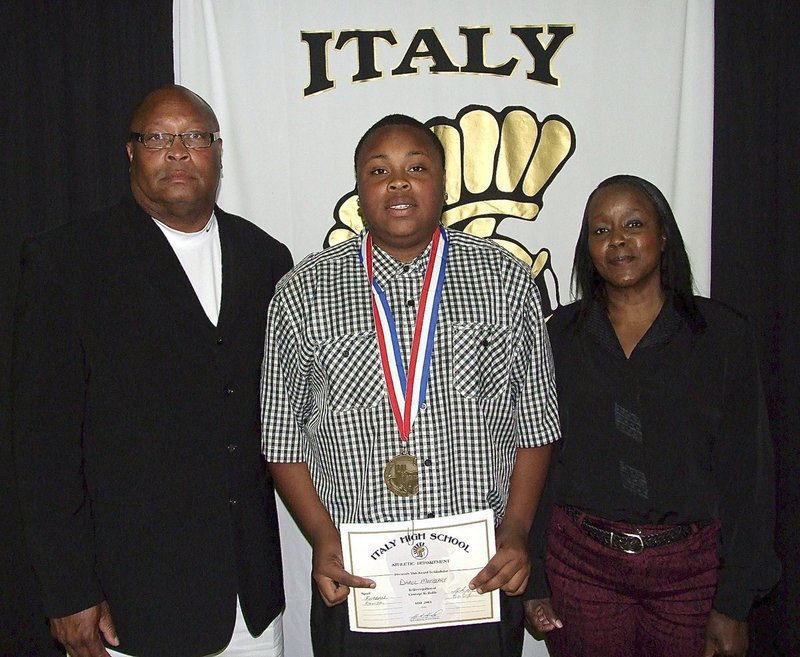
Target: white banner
x=536, y=103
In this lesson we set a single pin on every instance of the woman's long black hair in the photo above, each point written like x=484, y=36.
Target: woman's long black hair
x=676, y=272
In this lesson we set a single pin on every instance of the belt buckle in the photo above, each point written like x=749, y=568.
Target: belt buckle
x=638, y=544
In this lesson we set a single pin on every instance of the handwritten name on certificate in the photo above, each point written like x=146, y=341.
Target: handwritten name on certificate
x=421, y=572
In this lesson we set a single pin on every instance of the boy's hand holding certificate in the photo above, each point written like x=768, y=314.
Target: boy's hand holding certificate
x=422, y=572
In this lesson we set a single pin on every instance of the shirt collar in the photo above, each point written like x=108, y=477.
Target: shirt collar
x=210, y=225
x=386, y=268
x=667, y=323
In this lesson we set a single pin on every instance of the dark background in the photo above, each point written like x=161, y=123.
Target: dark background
x=72, y=71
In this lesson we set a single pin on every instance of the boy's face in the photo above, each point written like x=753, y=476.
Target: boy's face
x=400, y=180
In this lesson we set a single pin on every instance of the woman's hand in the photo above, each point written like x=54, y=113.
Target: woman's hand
x=540, y=615
x=725, y=636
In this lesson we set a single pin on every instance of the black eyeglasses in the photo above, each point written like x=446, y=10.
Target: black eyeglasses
x=156, y=140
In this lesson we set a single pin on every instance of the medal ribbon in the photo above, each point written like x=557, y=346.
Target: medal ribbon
x=407, y=392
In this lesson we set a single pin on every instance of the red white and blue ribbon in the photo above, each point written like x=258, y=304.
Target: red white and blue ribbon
x=407, y=388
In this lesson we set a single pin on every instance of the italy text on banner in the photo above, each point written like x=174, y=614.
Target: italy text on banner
x=536, y=102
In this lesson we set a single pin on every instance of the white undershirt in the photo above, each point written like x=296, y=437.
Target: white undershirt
x=200, y=255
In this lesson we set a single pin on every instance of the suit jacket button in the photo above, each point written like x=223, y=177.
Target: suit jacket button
x=231, y=448
x=220, y=340
x=228, y=390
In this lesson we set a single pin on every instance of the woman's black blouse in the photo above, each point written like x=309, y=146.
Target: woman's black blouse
x=676, y=433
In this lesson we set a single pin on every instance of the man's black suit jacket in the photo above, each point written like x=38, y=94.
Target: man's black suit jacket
x=137, y=431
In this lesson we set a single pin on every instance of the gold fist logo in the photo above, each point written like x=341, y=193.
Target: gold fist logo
x=499, y=164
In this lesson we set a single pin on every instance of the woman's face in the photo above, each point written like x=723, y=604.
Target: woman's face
x=400, y=180
x=625, y=239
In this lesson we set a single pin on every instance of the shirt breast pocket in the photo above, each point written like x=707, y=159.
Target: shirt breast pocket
x=481, y=354
x=350, y=364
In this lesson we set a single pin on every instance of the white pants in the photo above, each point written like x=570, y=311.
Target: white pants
x=269, y=644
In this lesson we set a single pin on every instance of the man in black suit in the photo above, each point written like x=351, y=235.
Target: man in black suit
x=138, y=347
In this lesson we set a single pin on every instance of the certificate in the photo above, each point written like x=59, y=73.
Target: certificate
x=421, y=571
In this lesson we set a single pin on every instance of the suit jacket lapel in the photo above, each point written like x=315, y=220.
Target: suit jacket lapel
x=158, y=265
x=233, y=271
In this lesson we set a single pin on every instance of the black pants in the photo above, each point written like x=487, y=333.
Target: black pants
x=331, y=635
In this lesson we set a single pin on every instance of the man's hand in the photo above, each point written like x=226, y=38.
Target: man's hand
x=509, y=568
x=80, y=633
x=725, y=636
x=333, y=581
x=540, y=615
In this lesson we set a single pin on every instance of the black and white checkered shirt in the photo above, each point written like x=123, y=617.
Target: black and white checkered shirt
x=491, y=387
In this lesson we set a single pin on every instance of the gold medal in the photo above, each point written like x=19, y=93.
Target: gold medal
x=401, y=475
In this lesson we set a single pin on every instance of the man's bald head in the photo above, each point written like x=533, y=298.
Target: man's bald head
x=176, y=184
x=167, y=92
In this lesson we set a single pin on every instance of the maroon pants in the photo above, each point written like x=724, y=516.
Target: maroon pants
x=654, y=604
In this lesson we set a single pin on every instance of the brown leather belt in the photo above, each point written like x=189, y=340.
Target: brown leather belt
x=630, y=542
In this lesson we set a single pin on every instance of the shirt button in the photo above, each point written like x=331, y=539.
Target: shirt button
x=428, y=462
x=220, y=340
x=484, y=343
x=429, y=514
x=406, y=268
x=227, y=390
x=231, y=448
x=410, y=303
